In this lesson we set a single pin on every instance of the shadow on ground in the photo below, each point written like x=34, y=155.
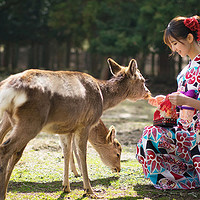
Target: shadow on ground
x=54, y=186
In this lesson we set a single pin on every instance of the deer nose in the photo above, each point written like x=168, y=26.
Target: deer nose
x=148, y=95
x=116, y=169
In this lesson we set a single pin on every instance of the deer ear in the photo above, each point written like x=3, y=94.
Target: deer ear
x=132, y=67
x=111, y=135
x=114, y=67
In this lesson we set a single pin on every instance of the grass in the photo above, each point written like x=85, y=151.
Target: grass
x=41, y=177
x=38, y=175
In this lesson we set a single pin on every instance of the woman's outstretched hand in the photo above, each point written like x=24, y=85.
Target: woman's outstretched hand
x=155, y=101
x=177, y=98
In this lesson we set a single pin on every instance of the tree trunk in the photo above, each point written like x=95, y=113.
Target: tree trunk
x=93, y=64
x=172, y=70
x=37, y=56
x=32, y=56
x=1, y=58
x=45, y=55
x=15, y=56
x=153, y=64
x=180, y=64
x=77, y=60
x=143, y=62
x=105, y=72
x=163, y=67
x=6, y=59
x=68, y=53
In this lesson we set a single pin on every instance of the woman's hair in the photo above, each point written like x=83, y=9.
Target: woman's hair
x=178, y=29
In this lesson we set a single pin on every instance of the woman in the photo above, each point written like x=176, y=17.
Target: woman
x=170, y=156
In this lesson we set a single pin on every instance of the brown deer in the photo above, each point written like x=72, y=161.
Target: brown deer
x=104, y=142
x=60, y=102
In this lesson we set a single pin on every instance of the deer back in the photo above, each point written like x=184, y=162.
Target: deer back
x=67, y=98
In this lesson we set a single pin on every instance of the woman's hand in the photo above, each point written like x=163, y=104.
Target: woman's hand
x=178, y=98
x=155, y=101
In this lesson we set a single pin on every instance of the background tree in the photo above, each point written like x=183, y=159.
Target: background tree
x=112, y=30
x=81, y=34
x=66, y=20
x=23, y=22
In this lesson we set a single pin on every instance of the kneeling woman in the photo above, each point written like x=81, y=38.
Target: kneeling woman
x=170, y=155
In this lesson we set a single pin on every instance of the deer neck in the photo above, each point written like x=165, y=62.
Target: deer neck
x=113, y=93
x=99, y=146
x=96, y=138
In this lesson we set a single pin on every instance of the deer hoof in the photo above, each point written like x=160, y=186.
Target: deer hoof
x=66, y=189
x=92, y=196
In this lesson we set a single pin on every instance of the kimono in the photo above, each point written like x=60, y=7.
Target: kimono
x=170, y=156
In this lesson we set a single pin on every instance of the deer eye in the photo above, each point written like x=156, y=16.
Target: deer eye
x=118, y=155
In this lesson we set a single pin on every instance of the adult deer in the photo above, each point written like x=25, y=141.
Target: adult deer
x=104, y=142
x=61, y=102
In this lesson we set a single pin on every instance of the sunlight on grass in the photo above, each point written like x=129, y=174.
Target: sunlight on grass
x=38, y=175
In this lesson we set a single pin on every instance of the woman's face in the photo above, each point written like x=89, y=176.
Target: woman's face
x=182, y=47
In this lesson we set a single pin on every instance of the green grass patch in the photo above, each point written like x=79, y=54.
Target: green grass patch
x=38, y=175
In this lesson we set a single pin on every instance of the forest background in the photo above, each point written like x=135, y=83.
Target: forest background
x=82, y=34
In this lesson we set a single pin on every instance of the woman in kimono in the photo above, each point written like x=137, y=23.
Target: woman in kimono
x=170, y=155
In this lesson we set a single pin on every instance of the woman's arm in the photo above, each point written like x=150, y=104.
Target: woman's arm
x=180, y=99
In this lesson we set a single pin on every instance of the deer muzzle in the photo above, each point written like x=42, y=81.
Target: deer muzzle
x=148, y=95
x=116, y=169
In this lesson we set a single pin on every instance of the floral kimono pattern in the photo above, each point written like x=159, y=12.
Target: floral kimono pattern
x=170, y=156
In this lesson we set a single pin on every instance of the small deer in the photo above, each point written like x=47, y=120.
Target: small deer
x=60, y=102
x=104, y=142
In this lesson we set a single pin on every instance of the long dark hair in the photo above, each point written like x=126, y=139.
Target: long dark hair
x=177, y=29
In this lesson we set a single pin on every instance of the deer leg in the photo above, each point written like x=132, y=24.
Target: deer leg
x=74, y=148
x=77, y=156
x=12, y=162
x=72, y=162
x=5, y=126
x=66, y=142
x=81, y=141
x=16, y=142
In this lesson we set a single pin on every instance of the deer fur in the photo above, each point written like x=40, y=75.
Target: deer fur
x=60, y=102
x=104, y=142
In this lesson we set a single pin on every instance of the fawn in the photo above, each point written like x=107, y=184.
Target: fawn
x=104, y=142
